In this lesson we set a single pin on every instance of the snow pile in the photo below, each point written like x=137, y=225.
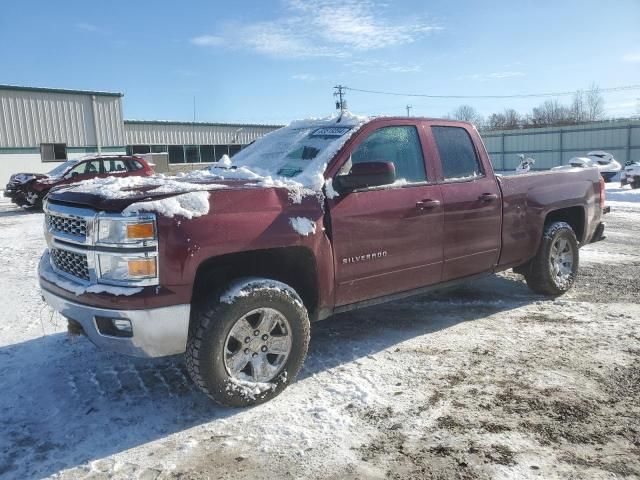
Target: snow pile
x=187, y=205
x=246, y=286
x=329, y=190
x=123, y=187
x=616, y=193
x=303, y=226
x=224, y=162
x=249, y=390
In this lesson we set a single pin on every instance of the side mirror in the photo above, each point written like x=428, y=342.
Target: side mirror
x=366, y=174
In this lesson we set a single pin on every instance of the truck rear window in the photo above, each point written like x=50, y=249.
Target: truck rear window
x=457, y=153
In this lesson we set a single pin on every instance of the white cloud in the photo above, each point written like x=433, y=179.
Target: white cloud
x=305, y=77
x=207, y=41
x=380, y=66
x=284, y=39
x=88, y=27
x=491, y=76
x=631, y=57
x=324, y=28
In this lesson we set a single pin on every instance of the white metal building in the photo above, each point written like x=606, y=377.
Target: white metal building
x=190, y=142
x=42, y=127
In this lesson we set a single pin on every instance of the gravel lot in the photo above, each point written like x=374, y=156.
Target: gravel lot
x=485, y=381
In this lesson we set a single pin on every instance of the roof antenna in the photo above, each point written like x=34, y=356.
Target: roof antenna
x=341, y=103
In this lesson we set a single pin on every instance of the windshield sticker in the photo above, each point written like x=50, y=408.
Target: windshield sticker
x=330, y=131
x=289, y=171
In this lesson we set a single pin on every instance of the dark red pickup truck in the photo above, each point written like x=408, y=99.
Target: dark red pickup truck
x=230, y=265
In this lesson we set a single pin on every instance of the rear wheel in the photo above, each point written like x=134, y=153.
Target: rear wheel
x=635, y=185
x=246, y=346
x=554, y=268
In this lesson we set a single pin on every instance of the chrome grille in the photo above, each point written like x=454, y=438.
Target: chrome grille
x=69, y=225
x=71, y=263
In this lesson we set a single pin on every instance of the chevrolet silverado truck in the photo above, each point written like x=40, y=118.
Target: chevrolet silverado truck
x=229, y=265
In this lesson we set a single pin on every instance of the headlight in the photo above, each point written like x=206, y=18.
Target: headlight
x=122, y=268
x=120, y=265
x=126, y=230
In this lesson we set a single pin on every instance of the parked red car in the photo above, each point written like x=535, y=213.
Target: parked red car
x=230, y=268
x=29, y=189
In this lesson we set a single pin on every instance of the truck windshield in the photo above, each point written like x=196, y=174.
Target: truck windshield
x=299, y=151
x=60, y=169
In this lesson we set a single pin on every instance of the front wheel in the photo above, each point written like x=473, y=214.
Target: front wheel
x=246, y=346
x=554, y=268
x=635, y=185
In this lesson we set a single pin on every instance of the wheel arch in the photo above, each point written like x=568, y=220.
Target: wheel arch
x=295, y=266
x=575, y=216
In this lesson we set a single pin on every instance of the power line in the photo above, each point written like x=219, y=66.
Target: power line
x=524, y=95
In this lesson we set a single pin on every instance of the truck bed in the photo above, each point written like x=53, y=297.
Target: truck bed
x=528, y=199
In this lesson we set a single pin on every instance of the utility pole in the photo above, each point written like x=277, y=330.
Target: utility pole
x=409, y=107
x=341, y=103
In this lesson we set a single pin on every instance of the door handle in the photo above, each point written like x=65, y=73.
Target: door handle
x=488, y=197
x=427, y=204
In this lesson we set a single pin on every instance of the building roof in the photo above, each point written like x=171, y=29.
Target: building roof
x=198, y=124
x=60, y=90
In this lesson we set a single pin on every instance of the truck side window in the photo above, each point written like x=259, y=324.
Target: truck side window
x=400, y=145
x=457, y=154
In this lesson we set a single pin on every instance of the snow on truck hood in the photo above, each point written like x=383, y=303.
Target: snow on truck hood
x=293, y=157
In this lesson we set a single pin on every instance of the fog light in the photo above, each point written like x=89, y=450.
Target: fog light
x=122, y=324
x=114, y=327
x=145, y=267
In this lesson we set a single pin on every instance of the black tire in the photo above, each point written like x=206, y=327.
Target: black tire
x=211, y=323
x=540, y=275
x=635, y=185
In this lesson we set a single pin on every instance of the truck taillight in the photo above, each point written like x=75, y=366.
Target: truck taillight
x=602, y=194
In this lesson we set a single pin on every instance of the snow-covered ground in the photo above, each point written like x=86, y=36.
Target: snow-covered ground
x=484, y=381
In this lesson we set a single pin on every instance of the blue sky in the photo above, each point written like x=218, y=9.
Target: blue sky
x=272, y=61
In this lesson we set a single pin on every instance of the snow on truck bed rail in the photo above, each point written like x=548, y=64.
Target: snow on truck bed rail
x=294, y=157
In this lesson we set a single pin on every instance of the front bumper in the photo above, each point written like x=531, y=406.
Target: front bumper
x=155, y=332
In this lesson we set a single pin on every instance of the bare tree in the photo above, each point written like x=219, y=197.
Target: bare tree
x=595, y=103
x=512, y=118
x=495, y=121
x=550, y=112
x=467, y=113
x=579, y=108
x=586, y=105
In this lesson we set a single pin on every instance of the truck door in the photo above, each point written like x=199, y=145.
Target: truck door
x=472, y=205
x=387, y=239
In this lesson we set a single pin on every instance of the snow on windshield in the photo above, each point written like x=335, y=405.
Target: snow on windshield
x=295, y=154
